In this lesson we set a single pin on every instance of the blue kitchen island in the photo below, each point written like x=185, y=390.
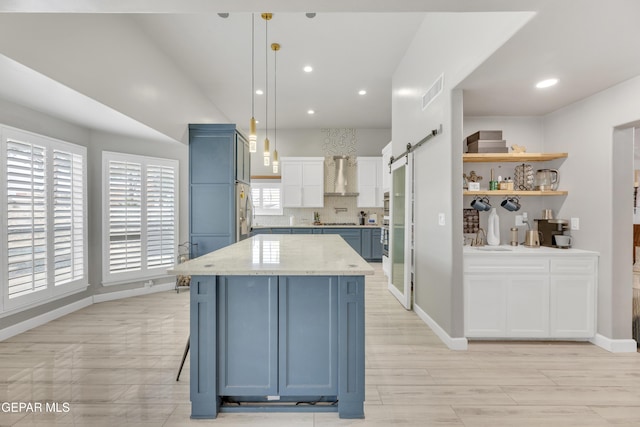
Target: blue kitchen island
x=277, y=324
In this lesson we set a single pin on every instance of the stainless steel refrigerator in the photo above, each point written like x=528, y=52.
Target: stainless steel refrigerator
x=244, y=211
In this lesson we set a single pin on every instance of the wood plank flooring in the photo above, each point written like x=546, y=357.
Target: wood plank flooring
x=115, y=364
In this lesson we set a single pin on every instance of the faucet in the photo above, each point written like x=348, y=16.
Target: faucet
x=479, y=241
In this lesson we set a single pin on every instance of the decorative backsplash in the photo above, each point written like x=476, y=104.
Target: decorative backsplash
x=332, y=212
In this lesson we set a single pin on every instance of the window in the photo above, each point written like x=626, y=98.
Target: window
x=266, y=197
x=44, y=231
x=140, y=217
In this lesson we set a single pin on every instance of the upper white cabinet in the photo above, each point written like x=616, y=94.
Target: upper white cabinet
x=386, y=170
x=302, y=182
x=369, y=182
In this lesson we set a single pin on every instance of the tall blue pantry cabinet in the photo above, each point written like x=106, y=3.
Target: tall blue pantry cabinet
x=218, y=158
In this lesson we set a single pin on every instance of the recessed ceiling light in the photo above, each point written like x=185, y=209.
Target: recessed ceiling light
x=546, y=83
x=223, y=15
x=310, y=15
x=259, y=92
x=310, y=112
x=362, y=92
x=308, y=69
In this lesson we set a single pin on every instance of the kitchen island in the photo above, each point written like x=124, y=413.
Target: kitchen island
x=277, y=324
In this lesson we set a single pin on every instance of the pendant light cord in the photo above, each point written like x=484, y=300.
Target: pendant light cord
x=275, y=99
x=266, y=74
x=253, y=67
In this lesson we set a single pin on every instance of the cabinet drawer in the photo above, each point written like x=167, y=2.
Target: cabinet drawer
x=581, y=265
x=505, y=264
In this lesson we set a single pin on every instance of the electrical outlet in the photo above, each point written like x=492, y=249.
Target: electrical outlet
x=441, y=220
x=575, y=223
x=524, y=216
x=519, y=220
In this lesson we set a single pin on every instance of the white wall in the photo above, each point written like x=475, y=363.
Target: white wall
x=590, y=174
x=449, y=44
x=85, y=53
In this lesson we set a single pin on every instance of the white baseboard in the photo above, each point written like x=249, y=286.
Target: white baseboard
x=111, y=296
x=615, y=346
x=452, y=343
x=40, y=320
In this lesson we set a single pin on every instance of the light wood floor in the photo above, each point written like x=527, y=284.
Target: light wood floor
x=115, y=364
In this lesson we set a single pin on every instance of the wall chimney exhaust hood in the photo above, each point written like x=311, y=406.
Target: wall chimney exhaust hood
x=340, y=177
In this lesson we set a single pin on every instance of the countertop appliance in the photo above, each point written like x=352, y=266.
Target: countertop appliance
x=244, y=211
x=549, y=228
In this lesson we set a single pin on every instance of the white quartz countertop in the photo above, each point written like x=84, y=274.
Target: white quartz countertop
x=508, y=250
x=280, y=254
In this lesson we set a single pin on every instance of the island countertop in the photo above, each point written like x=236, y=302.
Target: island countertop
x=280, y=254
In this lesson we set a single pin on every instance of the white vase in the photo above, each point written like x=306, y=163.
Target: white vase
x=493, y=228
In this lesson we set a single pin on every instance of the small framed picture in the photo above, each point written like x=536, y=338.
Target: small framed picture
x=474, y=186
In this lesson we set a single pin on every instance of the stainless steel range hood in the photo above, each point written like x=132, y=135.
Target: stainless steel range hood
x=339, y=181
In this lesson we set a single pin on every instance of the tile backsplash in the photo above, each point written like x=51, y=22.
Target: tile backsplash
x=332, y=212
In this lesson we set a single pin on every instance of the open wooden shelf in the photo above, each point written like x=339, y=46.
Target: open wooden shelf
x=511, y=157
x=514, y=193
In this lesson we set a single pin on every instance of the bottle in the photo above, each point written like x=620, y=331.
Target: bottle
x=493, y=229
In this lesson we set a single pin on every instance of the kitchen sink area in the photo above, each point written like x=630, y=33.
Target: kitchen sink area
x=492, y=249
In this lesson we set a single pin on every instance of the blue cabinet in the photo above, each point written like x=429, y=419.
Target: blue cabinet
x=262, y=348
x=247, y=343
x=301, y=231
x=352, y=236
x=376, y=245
x=300, y=338
x=218, y=157
x=371, y=246
x=257, y=231
x=366, y=241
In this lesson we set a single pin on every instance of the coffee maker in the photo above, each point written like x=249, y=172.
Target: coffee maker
x=549, y=228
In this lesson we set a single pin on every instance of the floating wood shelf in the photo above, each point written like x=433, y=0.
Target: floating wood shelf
x=514, y=193
x=511, y=157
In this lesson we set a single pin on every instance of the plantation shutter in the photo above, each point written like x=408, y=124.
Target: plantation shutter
x=68, y=217
x=26, y=218
x=267, y=198
x=161, y=210
x=125, y=216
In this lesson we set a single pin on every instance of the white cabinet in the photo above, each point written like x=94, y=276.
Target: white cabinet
x=386, y=170
x=527, y=306
x=302, y=182
x=369, y=182
x=520, y=296
x=573, y=297
x=485, y=303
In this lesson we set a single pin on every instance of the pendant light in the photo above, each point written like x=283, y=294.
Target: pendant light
x=252, y=124
x=267, y=152
x=276, y=164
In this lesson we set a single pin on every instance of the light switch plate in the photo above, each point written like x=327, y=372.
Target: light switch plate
x=441, y=219
x=575, y=223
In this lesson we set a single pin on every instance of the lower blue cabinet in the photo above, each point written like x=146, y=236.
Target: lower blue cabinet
x=277, y=336
x=365, y=241
x=247, y=335
x=351, y=235
x=308, y=339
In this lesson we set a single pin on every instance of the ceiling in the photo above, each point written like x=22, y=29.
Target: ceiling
x=589, y=45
